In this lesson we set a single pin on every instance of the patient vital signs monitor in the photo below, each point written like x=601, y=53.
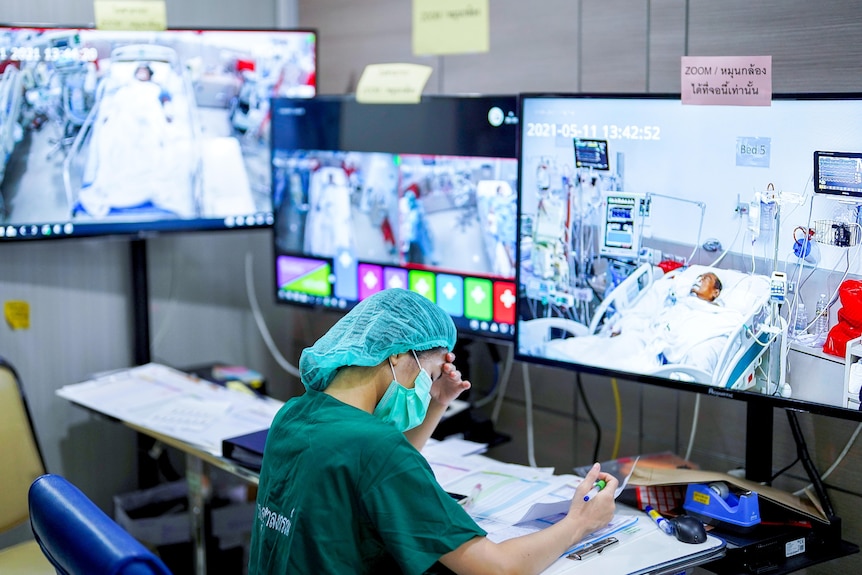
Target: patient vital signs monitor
x=591, y=154
x=612, y=185
x=420, y=196
x=623, y=214
x=119, y=132
x=838, y=174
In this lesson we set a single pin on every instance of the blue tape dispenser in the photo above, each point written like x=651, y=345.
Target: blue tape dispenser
x=716, y=504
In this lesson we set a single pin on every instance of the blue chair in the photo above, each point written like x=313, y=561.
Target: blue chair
x=78, y=538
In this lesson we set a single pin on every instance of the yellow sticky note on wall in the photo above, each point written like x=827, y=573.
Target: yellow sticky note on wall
x=450, y=27
x=17, y=314
x=392, y=83
x=130, y=14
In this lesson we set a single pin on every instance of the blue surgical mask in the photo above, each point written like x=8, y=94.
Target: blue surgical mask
x=405, y=408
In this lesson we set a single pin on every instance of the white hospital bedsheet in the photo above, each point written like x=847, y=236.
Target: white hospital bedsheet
x=136, y=154
x=684, y=330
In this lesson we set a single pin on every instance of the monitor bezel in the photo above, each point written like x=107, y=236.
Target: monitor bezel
x=758, y=400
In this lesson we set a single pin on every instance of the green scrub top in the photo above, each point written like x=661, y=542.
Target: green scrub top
x=342, y=492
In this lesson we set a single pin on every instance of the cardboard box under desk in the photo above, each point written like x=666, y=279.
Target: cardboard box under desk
x=160, y=516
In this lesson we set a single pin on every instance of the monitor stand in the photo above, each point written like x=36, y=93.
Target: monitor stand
x=148, y=468
x=758, y=442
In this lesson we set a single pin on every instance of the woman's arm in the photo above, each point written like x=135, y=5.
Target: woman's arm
x=533, y=553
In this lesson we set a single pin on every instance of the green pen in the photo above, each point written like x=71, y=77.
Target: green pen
x=597, y=486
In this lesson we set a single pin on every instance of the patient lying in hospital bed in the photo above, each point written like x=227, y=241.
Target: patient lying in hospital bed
x=682, y=320
x=141, y=154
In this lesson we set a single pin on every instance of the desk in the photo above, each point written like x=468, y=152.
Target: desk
x=138, y=397
x=184, y=412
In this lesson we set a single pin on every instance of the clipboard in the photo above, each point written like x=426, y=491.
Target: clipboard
x=643, y=549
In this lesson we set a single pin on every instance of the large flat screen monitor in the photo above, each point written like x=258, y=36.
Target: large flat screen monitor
x=109, y=132
x=419, y=196
x=592, y=296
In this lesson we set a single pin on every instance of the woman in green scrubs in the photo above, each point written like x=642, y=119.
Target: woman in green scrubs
x=343, y=487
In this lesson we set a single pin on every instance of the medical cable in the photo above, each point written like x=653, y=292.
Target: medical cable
x=172, y=304
x=694, y=418
x=727, y=250
x=528, y=407
x=808, y=464
x=592, y=416
x=501, y=394
x=618, y=434
x=495, y=382
x=753, y=263
x=843, y=453
x=783, y=470
x=702, y=206
x=504, y=377
x=782, y=367
x=794, y=303
x=834, y=295
x=261, y=324
x=838, y=459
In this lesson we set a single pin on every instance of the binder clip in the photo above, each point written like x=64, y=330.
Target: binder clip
x=596, y=548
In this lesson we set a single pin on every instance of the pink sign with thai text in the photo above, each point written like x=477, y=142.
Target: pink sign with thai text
x=726, y=80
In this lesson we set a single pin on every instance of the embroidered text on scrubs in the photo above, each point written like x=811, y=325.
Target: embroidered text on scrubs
x=275, y=521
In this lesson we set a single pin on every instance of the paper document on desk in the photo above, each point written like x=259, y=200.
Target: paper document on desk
x=175, y=404
x=122, y=394
x=499, y=531
x=558, y=502
x=452, y=446
x=190, y=414
x=503, y=496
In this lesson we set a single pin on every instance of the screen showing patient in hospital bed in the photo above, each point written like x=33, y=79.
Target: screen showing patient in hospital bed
x=121, y=132
x=420, y=196
x=611, y=260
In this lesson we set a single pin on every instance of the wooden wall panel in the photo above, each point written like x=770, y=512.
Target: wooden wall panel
x=533, y=48
x=613, y=46
x=667, y=38
x=815, y=46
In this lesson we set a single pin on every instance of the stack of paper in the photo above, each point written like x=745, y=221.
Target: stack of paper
x=175, y=404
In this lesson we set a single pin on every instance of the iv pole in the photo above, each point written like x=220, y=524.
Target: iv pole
x=648, y=199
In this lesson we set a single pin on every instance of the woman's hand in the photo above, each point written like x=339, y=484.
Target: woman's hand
x=449, y=385
x=599, y=510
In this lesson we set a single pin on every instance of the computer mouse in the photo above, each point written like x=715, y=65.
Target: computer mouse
x=688, y=529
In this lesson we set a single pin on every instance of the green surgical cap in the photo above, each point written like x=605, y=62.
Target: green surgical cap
x=389, y=322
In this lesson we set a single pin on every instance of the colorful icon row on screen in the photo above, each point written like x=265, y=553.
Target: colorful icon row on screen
x=479, y=299
x=474, y=298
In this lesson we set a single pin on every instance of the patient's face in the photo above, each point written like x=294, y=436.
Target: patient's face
x=704, y=287
x=143, y=74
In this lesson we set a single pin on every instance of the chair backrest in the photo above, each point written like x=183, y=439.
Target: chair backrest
x=20, y=459
x=78, y=538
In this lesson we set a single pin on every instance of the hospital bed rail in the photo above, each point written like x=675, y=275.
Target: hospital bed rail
x=737, y=359
x=629, y=292
x=741, y=354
